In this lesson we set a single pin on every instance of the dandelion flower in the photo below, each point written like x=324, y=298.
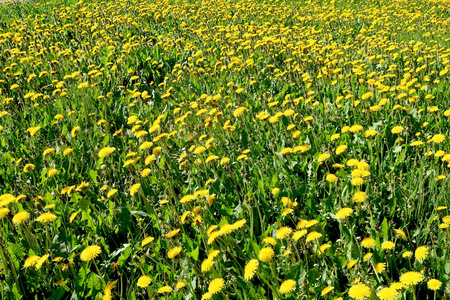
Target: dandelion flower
x=180, y=285
x=359, y=292
x=407, y=254
x=31, y=261
x=144, y=281
x=397, y=129
x=401, y=233
x=4, y=211
x=411, y=278
x=174, y=252
x=323, y=157
x=359, y=197
x=299, y=234
x=207, y=265
x=287, y=286
x=90, y=252
x=165, y=289
x=312, y=236
x=343, y=213
x=434, y=284
x=283, y=233
x=206, y=296
x=216, y=285
x=326, y=290
x=331, y=178
x=266, y=254
x=20, y=217
x=134, y=188
x=147, y=240
x=46, y=217
x=41, y=261
x=397, y=285
x=250, y=269
x=270, y=240
x=387, y=293
x=368, y=242
x=421, y=253
x=388, y=245
x=380, y=267
x=106, y=151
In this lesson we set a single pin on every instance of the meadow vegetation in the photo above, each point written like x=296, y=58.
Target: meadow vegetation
x=224, y=149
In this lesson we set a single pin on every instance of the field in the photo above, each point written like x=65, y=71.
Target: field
x=189, y=149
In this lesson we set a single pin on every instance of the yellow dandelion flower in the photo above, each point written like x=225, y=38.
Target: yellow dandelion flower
x=250, y=269
x=46, y=217
x=287, y=286
x=134, y=188
x=20, y=217
x=144, y=281
x=216, y=286
x=397, y=129
x=359, y=292
x=90, y=253
x=380, y=267
x=312, y=236
x=387, y=293
x=434, y=284
x=165, y=289
x=299, y=234
x=326, y=290
x=368, y=242
x=407, y=254
x=421, y=253
x=343, y=213
x=147, y=241
x=387, y=245
x=106, y=151
x=41, y=261
x=411, y=278
x=207, y=265
x=266, y=254
x=172, y=253
x=31, y=261
x=283, y=232
x=270, y=240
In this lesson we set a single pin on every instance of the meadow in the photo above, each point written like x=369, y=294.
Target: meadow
x=187, y=149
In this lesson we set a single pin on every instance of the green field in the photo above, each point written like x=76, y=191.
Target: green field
x=225, y=149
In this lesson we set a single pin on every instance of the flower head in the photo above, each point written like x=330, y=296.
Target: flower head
x=359, y=292
x=287, y=286
x=144, y=281
x=411, y=278
x=216, y=285
x=250, y=269
x=266, y=254
x=46, y=217
x=387, y=293
x=90, y=252
x=434, y=284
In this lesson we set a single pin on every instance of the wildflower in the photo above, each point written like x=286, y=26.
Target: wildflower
x=380, y=267
x=387, y=293
x=312, y=236
x=207, y=265
x=106, y=151
x=41, y=261
x=165, y=289
x=90, y=252
x=401, y=233
x=250, y=269
x=172, y=253
x=388, y=245
x=359, y=291
x=216, y=286
x=397, y=129
x=287, y=286
x=434, y=284
x=31, y=261
x=368, y=242
x=4, y=211
x=326, y=290
x=283, y=232
x=144, y=281
x=46, y=217
x=20, y=217
x=266, y=254
x=147, y=240
x=359, y=197
x=323, y=157
x=331, y=178
x=135, y=188
x=411, y=278
x=270, y=240
x=421, y=253
x=343, y=213
x=407, y=254
x=28, y=167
